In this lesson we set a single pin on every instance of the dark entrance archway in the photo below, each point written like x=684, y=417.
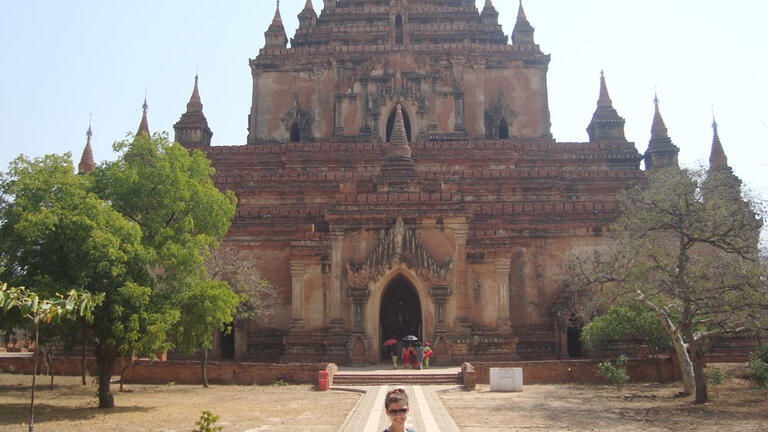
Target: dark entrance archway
x=400, y=312
x=573, y=334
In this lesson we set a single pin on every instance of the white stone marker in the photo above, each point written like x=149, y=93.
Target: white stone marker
x=507, y=379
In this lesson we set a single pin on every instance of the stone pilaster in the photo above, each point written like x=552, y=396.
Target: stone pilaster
x=298, y=273
x=458, y=98
x=253, y=116
x=365, y=129
x=502, y=277
x=460, y=273
x=338, y=125
x=337, y=252
x=359, y=298
x=440, y=296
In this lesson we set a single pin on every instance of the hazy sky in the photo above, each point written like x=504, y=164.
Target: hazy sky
x=64, y=60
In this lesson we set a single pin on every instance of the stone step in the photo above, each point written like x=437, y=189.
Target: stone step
x=343, y=379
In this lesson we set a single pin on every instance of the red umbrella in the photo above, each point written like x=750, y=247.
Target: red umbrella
x=389, y=342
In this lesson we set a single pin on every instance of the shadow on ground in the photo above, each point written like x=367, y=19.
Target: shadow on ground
x=14, y=414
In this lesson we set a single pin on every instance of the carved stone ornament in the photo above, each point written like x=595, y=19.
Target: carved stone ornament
x=295, y=115
x=399, y=245
x=500, y=112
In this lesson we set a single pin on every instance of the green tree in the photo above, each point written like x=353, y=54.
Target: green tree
x=686, y=246
x=136, y=230
x=168, y=192
x=207, y=307
x=56, y=235
x=633, y=321
x=41, y=311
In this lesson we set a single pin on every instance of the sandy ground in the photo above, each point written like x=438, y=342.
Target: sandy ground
x=735, y=406
x=72, y=407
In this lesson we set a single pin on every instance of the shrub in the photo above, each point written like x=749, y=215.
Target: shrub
x=714, y=375
x=758, y=364
x=279, y=383
x=207, y=423
x=617, y=375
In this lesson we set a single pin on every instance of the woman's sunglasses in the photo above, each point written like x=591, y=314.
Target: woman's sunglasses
x=395, y=412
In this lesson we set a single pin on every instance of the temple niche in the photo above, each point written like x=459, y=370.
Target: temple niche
x=399, y=177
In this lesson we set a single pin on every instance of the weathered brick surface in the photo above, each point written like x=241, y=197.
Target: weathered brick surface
x=578, y=371
x=187, y=372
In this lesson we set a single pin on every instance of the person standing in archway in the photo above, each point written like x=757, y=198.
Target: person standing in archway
x=427, y=354
x=419, y=355
x=395, y=350
x=406, y=352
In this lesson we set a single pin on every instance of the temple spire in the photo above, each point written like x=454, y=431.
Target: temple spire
x=661, y=152
x=192, y=128
x=307, y=17
x=144, y=125
x=658, y=128
x=521, y=14
x=604, y=100
x=489, y=15
x=606, y=123
x=275, y=35
x=717, y=158
x=522, y=35
x=398, y=148
x=194, y=103
x=86, y=164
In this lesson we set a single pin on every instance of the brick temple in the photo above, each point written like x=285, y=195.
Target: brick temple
x=400, y=178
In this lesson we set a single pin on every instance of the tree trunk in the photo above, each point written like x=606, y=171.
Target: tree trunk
x=205, y=368
x=82, y=352
x=105, y=365
x=686, y=367
x=697, y=354
x=34, y=381
x=52, y=374
x=122, y=371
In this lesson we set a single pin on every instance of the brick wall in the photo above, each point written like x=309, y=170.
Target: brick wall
x=577, y=371
x=185, y=372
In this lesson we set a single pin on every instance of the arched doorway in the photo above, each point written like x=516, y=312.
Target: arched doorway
x=295, y=132
x=399, y=29
x=228, y=345
x=503, y=129
x=391, y=123
x=573, y=334
x=400, y=312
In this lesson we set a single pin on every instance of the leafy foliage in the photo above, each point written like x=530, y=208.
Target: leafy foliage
x=623, y=322
x=714, y=375
x=207, y=423
x=238, y=269
x=42, y=311
x=617, y=375
x=686, y=246
x=135, y=231
x=758, y=365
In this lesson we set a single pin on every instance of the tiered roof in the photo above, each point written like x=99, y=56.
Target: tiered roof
x=370, y=22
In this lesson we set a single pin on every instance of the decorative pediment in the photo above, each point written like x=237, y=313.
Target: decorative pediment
x=400, y=244
x=499, y=119
x=296, y=117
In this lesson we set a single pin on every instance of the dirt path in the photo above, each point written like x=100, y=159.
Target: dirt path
x=72, y=407
x=735, y=406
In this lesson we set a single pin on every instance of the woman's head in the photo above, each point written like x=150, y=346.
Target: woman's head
x=396, y=404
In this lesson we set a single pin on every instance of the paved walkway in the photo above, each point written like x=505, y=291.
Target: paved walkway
x=427, y=413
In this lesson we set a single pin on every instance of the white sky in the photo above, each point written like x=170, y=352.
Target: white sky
x=63, y=60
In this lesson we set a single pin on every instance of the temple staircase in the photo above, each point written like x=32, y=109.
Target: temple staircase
x=367, y=376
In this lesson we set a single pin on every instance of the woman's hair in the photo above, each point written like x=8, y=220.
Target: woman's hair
x=395, y=396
